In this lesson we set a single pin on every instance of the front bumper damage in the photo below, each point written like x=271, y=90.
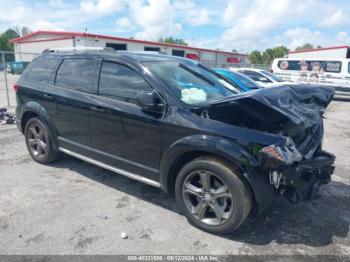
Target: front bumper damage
x=302, y=181
x=293, y=176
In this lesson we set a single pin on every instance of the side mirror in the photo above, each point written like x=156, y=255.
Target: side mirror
x=150, y=102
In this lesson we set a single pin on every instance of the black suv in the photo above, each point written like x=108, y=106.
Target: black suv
x=175, y=124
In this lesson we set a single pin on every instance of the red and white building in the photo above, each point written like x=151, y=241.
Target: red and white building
x=38, y=41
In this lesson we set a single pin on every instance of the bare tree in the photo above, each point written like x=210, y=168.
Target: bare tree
x=26, y=30
x=21, y=31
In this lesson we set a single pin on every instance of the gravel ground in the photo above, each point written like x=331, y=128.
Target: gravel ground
x=72, y=207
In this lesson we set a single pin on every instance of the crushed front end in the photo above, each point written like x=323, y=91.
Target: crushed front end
x=294, y=176
x=295, y=161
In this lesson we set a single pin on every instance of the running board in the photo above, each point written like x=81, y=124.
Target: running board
x=111, y=168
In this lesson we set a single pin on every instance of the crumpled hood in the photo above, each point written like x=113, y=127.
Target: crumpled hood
x=290, y=110
x=301, y=104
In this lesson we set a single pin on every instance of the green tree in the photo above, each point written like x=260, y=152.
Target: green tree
x=181, y=42
x=304, y=46
x=234, y=50
x=171, y=40
x=271, y=53
x=267, y=56
x=5, y=38
x=256, y=57
x=11, y=33
x=5, y=45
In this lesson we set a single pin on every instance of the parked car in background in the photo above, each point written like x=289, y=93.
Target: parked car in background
x=262, y=77
x=243, y=82
x=171, y=123
x=314, y=71
x=16, y=67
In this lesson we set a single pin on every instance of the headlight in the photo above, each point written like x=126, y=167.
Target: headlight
x=274, y=155
x=273, y=152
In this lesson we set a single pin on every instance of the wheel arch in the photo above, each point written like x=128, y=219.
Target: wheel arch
x=190, y=148
x=34, y=109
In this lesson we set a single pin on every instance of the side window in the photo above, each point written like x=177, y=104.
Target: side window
x=313, y=65
x=290, y=64
x=76, y=74
x=42, y=69
x=349, y=67
x=120, y=82
x=331, y=66
x=253, y=75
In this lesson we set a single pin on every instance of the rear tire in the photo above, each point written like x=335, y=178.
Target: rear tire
x=212, y=196
x=38, y=141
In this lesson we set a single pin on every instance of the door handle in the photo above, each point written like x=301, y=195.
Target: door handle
x=48, y=96
x=97, y=109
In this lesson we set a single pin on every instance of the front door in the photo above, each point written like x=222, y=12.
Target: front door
x=122, y=134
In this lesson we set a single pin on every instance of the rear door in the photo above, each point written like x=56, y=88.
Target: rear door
x=74, y=83
x=122, y=134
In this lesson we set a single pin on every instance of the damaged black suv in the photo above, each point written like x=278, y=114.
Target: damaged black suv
x=174, y=124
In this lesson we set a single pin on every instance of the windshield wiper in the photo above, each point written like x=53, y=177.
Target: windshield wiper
x=199, y=75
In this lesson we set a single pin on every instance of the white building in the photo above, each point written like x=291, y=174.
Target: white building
x=38, y=41
x=338, y=52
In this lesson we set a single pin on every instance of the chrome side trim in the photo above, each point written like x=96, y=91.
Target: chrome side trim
x=111, y=168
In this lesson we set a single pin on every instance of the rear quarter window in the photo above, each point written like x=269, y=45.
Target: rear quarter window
x=41, y=69
x=77, y=74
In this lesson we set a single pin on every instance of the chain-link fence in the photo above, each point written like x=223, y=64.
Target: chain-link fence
x=11, y=67
x=234, y=65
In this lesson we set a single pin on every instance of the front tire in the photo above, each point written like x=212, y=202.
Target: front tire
x=38, y=141
x=212, y=196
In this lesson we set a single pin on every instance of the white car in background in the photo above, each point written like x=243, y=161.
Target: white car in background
x=327, y=71
x=262, y=77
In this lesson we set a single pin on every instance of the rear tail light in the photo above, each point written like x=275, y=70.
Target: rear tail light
x=15, y=87
x=271, y=70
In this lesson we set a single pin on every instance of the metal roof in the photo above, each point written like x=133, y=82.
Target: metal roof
x=67, y=35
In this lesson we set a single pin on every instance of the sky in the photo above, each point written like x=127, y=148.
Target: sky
x=232, y=24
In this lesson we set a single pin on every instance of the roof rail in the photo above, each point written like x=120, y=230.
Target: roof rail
x=79, y=48
x=143, y=52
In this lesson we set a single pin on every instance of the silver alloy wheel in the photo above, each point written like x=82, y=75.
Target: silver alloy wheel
x=207, y=197
x=37, y=140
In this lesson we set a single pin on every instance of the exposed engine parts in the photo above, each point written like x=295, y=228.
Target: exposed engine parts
x=275, y=178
